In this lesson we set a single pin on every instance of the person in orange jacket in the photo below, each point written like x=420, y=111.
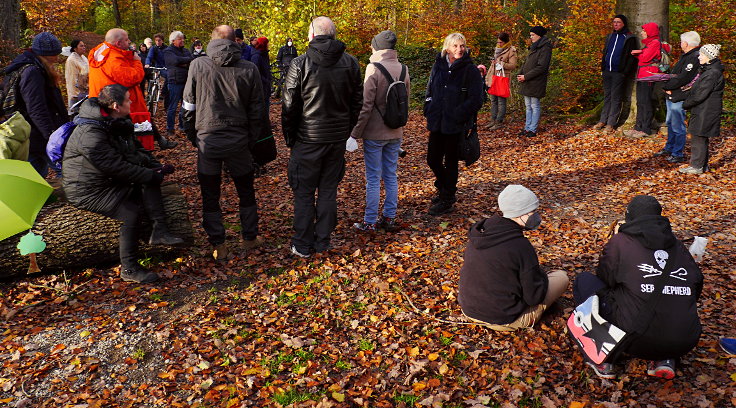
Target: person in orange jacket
x=112, y=62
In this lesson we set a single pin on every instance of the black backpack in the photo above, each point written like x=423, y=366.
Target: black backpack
x=396, y=113
x=10, y=93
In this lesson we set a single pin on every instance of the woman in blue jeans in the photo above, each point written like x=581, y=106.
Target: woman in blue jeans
x=381, y=143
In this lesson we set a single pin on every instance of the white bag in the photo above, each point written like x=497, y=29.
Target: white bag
x=697, y=249
x=351, y=145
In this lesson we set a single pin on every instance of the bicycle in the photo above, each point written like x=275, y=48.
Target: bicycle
x=278, y=77
x=153, y=89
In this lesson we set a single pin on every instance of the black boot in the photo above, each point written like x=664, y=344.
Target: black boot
x=130, y=271
x=161, y=235
x=153, y=203
x=164, y=143
x=442, y=207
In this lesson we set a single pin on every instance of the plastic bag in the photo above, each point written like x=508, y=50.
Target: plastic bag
x=697, y=249
x=351, y=145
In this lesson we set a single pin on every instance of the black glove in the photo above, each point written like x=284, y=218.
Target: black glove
x=167, y=169
x=158, y=177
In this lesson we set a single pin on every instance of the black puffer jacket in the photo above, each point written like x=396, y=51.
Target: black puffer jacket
x=629, y=265
x=705, y=101
x=500, y=277
x=177, y=64
x=685, y=70
x=323, y=94
x=536, y=69
x=454, y=95
x=40, y=101
x=103, y=161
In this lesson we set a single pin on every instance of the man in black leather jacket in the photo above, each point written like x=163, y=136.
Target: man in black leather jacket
x=323, y=95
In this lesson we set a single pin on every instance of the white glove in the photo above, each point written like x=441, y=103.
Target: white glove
x=351, y=145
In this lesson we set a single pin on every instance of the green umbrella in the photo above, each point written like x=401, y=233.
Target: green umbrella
x=22, y=194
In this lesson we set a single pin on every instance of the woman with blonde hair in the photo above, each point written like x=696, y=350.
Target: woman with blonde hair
x=35, y=82
x=454, y=96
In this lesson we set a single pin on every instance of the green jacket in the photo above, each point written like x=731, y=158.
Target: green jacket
x=15, y=136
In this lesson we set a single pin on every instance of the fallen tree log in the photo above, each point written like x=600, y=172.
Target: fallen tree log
x=77, y=239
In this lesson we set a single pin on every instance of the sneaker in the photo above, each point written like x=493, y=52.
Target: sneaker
x=603, y=370
x=522, y=132
x=728, y=344
x=635, y=134
x=365, y=226
x=436, y=199
x=690, y=170
x=388, y=224
x=254, y=243
x=170, y=133
x=138, y=274
x=662, y=369
x=608, y=129
x=676, y=159
x=221, y=252
x=296, y=252
x=598, y=126
x=530, y=134
x=662, y=152
x=442, y=207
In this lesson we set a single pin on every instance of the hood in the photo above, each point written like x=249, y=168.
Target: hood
x=715, y=64
x=224, y=52
x=387, y=54
x=99, y=55
x=27, y=57
x=542, y=42
x=325, y=51
x=652, y=30
x=15, y=128
x=494, y=231
x=652, y=231
x=91, y=109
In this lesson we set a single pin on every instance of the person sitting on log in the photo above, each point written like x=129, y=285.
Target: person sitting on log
x=107, y=171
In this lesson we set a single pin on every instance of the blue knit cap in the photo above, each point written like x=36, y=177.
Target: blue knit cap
x=46, y=44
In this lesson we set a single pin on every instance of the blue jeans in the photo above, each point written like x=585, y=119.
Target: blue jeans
x=176, y=94
x=381, y=159
x=533, y=112
x=676, y=130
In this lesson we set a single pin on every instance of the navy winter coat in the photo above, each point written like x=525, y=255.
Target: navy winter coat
x=261, y=61
x=454, y=95
x=177, y=64
x=39, y=102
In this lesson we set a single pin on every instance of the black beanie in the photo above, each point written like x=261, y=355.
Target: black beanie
x=642, y=205
x=239, y=33
x=624, y=19
x=539, y=30
x=385, y=40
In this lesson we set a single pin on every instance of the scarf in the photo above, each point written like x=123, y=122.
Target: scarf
x=501, y=50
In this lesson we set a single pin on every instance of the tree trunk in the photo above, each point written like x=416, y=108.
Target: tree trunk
x=641, y=12
x=10, y=22
x=116, y=14
x=77, y=239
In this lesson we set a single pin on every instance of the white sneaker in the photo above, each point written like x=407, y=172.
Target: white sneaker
x=296, y=252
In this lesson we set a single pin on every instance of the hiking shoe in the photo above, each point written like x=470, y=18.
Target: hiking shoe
x=530, y=134
x=728, y=344
x=608, y=129
x=598, y=126
x=138, y=274
x=522, y=132
x=442, y=207
x=690, y=170
x=388, y=224
x=436, y=199
x=254, y=243
x=365, y=226
x=296, y=252
x=221, y=252
x=662, y=152
x=662, y=369
x=676, y=159
x=635, y=134
x=159, y=236
x=603, y=370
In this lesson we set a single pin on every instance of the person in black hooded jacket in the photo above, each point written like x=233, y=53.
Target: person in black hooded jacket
x=323, y=96
x=626, y=279
x=533, y=78
x=107, y=171
x=454, y=96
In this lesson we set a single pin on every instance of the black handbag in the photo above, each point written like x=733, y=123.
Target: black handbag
x=264, y=150
x=469, y=148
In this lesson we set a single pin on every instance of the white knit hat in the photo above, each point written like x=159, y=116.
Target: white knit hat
x=711, y=51
x=516, y=200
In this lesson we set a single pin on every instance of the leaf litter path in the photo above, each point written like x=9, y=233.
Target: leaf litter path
x=266, y=329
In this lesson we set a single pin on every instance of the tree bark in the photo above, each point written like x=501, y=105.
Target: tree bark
x=116, y=14
x=77, y=239
x=10, y=22
x=640, y=12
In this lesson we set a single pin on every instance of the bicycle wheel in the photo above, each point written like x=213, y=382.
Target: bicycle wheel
x=153, y=99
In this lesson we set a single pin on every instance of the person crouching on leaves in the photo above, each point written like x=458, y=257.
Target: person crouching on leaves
x=107, y=171
x=626, y=279
x=502, y=286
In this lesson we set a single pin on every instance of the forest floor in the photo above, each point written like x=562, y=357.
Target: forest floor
x=375, y=322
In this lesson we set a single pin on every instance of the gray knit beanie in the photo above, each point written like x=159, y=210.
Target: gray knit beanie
x=385, y=40
x=516, y=200
x=46, y=44
x=711, y=51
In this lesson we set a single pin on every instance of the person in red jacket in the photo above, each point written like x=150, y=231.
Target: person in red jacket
x=648, y=65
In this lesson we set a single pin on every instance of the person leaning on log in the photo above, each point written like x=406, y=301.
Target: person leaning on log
x=108, y=172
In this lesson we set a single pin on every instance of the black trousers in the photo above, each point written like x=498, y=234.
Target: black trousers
x=644, y=107
x=315, y=168
x=209, y=173
x=146, y=198
x=613, y=90
x=442, y=158
x=699, y=152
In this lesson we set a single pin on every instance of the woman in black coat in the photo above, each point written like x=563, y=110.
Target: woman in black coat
x=454, y=96
x=705, y=103
x=107, y=171
x=533, y=78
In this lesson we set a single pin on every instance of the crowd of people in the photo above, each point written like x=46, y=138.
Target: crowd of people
x=222, y=95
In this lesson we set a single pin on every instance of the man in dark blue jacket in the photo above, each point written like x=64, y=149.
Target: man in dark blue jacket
x=177, y=58
x=155, y=58
x=616, y=65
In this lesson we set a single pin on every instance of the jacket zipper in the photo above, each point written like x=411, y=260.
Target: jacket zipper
x=610, y=60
